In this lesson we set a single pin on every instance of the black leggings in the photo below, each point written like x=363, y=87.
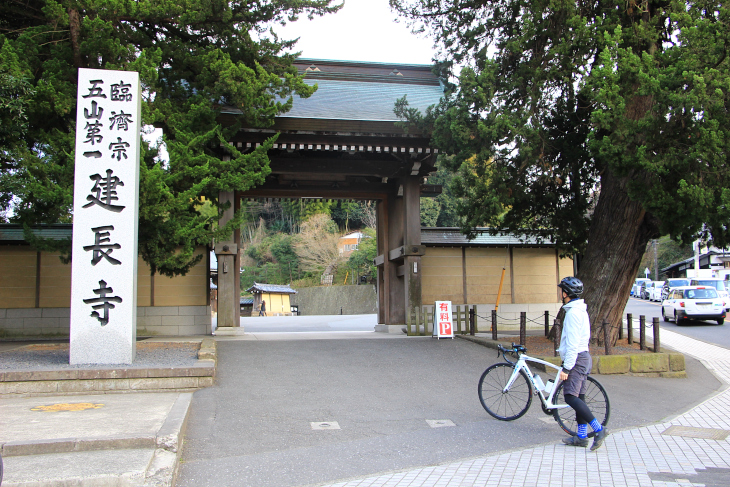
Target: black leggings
x=583, y=414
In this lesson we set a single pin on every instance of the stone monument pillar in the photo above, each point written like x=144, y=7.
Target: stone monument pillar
x=106, y=206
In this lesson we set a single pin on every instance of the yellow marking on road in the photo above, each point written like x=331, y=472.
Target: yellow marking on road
x=77, y=406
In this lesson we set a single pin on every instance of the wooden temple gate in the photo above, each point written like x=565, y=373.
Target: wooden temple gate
x=343, y=143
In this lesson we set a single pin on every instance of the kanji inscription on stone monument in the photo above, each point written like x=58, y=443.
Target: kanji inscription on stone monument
x=106, y=201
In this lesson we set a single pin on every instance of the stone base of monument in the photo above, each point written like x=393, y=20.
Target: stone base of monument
x=229, y=331
x=104, y=379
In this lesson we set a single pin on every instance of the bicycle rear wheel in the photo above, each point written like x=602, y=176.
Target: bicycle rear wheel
x=597, y=401
x=505, y=406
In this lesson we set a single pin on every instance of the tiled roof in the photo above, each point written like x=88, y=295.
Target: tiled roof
x=358, y=100
x=453, y=236
x=56, y=231
x=246, y=301
x=270, y=288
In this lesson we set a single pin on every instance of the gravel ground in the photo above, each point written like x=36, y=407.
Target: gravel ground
x=55, y=356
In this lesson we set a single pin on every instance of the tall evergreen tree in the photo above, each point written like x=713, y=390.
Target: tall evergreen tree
x=194, y=57
x=604, y=123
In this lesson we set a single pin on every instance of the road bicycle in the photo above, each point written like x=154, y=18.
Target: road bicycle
x=506, y=390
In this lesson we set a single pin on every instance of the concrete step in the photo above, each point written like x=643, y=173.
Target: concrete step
x=104, y=468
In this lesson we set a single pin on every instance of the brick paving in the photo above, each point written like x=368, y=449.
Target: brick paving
x=627, y=458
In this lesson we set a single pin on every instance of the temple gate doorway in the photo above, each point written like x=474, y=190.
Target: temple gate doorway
x=344, y=143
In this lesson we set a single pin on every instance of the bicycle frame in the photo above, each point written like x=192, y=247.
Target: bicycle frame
x=521, y=364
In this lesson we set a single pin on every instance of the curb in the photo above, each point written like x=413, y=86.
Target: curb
x=663, y=364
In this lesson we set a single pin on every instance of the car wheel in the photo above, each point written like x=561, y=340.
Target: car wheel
x=721, y=321
x=664, y=316
x=676, y=319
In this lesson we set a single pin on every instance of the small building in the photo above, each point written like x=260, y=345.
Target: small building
x=712, y=260
x=348, y=243
x=246, y=306
x=276, y=297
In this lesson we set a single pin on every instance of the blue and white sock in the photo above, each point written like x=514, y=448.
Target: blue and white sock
x=582, y=431
x=596, y=425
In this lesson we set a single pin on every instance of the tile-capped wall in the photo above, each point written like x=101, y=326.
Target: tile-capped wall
x=151, y=321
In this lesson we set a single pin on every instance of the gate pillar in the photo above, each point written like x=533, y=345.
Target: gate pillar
x=229, y=279
x=399, y=254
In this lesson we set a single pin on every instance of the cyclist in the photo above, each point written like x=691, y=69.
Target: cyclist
x=577, y=363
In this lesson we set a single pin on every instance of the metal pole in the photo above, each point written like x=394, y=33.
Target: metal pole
x=642, y=332
x=472, y=328
x=547, y=323
x=656, y=335
x=630, y=328
x=523, y=328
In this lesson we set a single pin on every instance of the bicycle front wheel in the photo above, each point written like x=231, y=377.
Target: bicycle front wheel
x=597, y=401
x=509, y=405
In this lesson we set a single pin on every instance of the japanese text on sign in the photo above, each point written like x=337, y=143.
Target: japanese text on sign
x=106, y=199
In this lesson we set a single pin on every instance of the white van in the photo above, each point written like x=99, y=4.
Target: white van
x=718, y=284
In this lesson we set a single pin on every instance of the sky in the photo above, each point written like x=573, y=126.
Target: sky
x=363, y=30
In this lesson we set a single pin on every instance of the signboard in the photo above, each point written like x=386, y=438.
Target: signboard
x=106, y=207
x=443, y=325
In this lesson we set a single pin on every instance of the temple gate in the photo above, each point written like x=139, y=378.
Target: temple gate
x=343, y=143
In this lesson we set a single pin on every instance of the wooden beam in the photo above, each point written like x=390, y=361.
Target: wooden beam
x=379, y=260
x=350, y=193
x=400, y=271
x=407, y=250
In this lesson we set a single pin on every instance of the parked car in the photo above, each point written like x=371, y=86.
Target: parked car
x=718, y=284
x=670, y=284
x=655, y=293
x=693, y=302
x=637, y=286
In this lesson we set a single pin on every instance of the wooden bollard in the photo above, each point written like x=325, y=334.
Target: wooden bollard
x=630, y=328
x=606, y=336
x=494, y=324
x=472, y=322
x=657, y=345
x=476, y=318
x=642, y=332
x=547, y=323
x=523, y=328
x=556, y=337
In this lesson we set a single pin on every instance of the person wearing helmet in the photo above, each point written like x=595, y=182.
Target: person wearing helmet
x=577, y=363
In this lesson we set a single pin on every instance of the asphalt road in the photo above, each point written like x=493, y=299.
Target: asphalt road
x=707, y=331
x=253, y=428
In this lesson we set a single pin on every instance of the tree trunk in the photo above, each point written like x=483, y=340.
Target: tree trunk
x=74, y=22
x=619, y=232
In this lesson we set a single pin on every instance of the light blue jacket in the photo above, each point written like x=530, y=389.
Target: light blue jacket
x=576, y=332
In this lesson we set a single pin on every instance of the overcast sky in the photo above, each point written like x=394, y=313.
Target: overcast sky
x=363, y=30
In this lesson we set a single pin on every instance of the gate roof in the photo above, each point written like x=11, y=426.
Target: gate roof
x=343, y=141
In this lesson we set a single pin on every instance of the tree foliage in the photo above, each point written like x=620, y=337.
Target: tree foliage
x=194, y=58
x=316, y=244
x=605, y=122
x=361, y=261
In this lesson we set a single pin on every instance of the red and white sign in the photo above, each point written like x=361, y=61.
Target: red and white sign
x=443, y=325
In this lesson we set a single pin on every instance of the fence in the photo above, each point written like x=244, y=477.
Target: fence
x=466, y=319
x=420, y=321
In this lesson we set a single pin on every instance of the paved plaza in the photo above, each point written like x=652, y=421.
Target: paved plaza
x=648, y=456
